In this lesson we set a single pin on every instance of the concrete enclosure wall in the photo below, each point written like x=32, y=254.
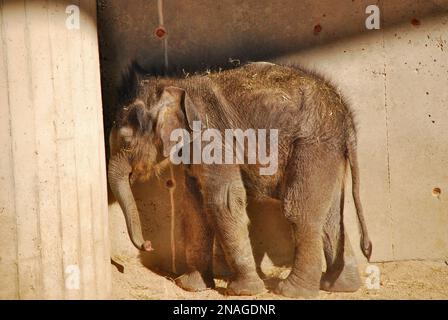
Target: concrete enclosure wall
x=396, y=79
x=54, y=227
x=54, y=241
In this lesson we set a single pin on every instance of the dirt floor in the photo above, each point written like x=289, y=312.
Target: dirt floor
x=398, y=280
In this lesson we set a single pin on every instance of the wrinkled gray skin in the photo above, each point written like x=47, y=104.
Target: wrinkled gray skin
x=316, y=141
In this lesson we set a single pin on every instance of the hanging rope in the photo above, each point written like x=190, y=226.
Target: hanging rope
x=161, y=33
x=173, y=221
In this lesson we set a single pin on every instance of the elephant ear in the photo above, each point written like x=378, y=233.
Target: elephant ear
x=177, y=111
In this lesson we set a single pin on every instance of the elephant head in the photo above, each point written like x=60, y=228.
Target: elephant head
x=140, y=145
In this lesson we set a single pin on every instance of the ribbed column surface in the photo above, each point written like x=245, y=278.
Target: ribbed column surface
x=53, y=203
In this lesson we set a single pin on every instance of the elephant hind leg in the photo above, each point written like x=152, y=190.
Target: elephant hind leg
x=342, y=274
x=311, y=178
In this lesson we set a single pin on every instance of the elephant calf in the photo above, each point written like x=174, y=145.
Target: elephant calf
x=316, y=140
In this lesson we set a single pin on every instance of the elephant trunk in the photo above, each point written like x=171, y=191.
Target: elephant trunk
x=118, y=174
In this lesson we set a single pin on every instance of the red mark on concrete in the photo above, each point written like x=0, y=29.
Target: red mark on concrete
x=160, y=32
x=317, y=29
x=415, y=22
x=169, y=183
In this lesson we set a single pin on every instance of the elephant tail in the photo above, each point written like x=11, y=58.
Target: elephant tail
x=366, y=244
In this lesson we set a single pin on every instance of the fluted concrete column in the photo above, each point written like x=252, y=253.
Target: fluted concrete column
x=53, y=203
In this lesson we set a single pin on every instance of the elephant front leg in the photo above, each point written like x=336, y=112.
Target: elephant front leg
x=226, y=204
x=198, y=237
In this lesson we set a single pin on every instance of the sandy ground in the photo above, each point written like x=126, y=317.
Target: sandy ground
x=398, y=280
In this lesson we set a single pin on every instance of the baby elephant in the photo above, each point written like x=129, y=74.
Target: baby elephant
x=311, y=136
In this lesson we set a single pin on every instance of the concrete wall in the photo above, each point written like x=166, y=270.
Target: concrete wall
x=395, y=79
x=53, y=197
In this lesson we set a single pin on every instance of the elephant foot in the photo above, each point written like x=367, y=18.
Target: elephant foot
x=290, y=289
x=346, y=281
x=245, y=286
x=194, y=281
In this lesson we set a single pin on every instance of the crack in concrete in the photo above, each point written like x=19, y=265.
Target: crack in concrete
x=165, y=39
x=386, y=110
